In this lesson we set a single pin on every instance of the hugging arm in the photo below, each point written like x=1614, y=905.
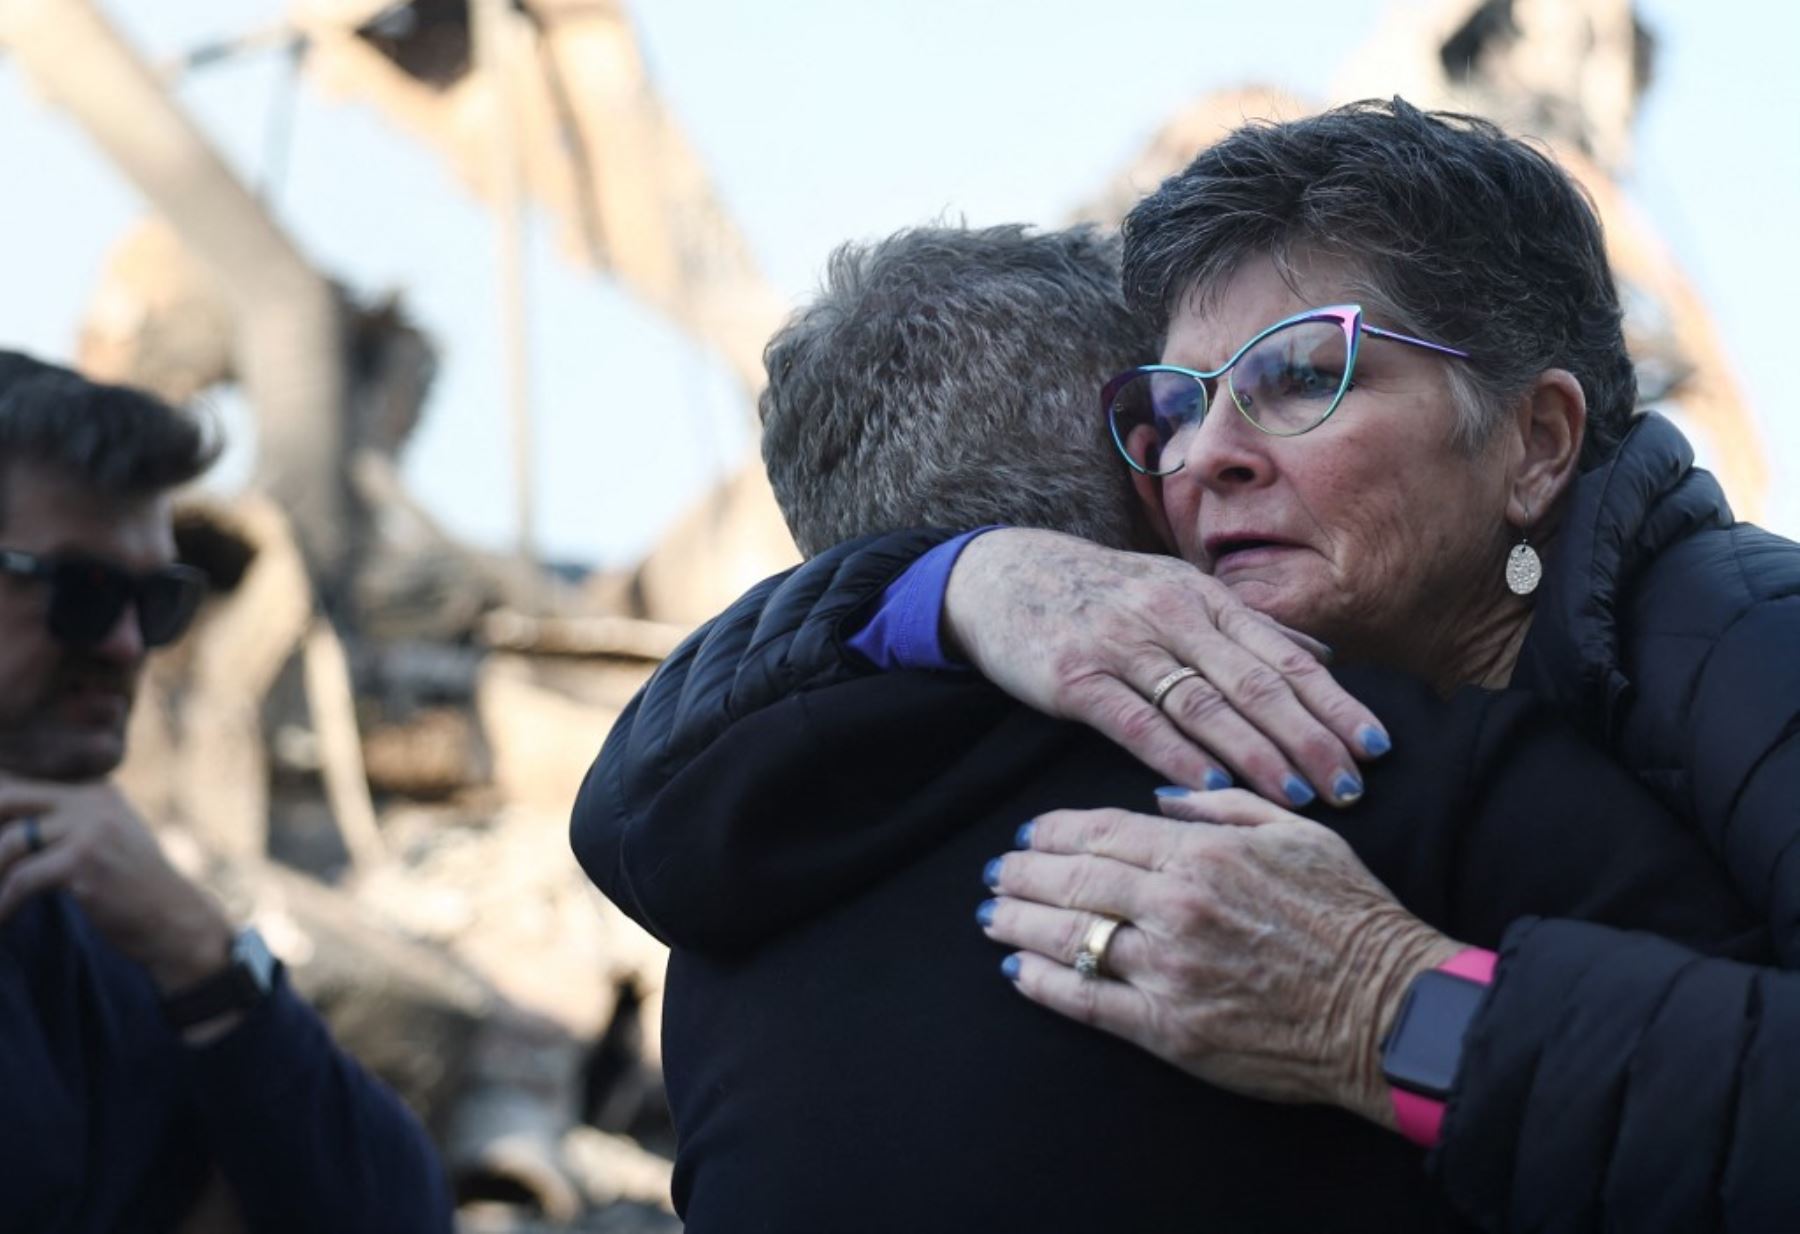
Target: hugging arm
x=1069, y=628
x=784, y=636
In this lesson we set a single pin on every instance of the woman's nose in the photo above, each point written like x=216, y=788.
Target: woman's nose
x=1226, y=450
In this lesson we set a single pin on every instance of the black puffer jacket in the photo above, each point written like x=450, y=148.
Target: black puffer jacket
x=1612, y=1080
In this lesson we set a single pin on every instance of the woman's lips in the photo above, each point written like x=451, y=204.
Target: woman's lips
x=1249, y=556
x=1244, y=549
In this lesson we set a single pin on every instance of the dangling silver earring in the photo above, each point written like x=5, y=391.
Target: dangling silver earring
x=1524, y=569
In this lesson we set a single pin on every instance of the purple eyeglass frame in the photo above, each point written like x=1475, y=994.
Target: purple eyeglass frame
x=1349, y=318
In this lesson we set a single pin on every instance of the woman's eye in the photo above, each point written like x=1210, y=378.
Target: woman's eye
x=1309, y=382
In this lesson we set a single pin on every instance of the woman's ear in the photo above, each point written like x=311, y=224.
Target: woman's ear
x=1552, y=424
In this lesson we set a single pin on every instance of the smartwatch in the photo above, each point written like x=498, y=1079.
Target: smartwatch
x=1423, y=1050
x=244, y=982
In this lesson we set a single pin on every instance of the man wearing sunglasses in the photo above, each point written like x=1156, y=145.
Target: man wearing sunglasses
x=158, y=1071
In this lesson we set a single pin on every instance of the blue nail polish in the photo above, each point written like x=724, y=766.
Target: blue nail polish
x=1174, y=791
x=1375, y=743
x=1216, y=780
x=1023, y=838
x=1009, y=968
x=1348, y=787
x=990, y=873
x=1299, y=792
x=984, y=913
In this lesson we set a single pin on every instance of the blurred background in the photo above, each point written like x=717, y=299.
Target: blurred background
x=478, y=290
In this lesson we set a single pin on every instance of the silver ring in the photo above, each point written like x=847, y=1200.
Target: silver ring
x=1090, y=957
x=1169, y=682
x=34, y=838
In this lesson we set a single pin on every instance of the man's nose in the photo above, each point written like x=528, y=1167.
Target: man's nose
x=124, y=642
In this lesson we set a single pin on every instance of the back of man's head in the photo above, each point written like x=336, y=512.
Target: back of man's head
x=116, y=441
x=951, y=377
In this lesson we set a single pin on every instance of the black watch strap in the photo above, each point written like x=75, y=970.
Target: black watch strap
x=242, y=984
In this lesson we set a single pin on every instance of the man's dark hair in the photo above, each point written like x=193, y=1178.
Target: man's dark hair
x=118, y=441
x=951, y=376
x=1450, y=229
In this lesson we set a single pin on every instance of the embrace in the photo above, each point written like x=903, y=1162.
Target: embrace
x=1268, y=736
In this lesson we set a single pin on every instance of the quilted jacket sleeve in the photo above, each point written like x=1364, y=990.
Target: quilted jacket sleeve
x=1621, y=1082
x=1742, y=726
x=1617, y=1081
x=783, y=636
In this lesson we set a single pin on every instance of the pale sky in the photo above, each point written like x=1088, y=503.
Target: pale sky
x=822, y=121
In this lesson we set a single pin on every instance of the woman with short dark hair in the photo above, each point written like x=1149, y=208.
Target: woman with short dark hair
x=1395, y=412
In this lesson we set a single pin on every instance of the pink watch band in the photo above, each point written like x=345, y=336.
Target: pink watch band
x=1421, y=1119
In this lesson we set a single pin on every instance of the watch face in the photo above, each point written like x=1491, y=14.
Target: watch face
x=1425, y=1048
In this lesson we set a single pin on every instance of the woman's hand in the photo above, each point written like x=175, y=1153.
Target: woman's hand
x=1084, y=632
x=1260, y=956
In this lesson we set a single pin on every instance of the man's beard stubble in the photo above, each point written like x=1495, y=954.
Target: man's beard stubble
x=74, y=729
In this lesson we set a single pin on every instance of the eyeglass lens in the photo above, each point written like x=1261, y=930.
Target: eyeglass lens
x=88, y=598
x=1286, y=384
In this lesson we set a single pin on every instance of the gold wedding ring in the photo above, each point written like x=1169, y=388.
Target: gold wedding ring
x=1090, y=958
x=1169, y=682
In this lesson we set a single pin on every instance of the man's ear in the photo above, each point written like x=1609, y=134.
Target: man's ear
x=1551, y=423
x=1152, y=518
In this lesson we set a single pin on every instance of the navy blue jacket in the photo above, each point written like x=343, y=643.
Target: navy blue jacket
x=110, y=1123
x=1613, y=1080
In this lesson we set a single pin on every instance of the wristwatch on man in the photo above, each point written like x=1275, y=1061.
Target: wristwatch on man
x=241, y=985
x=1423, y=1050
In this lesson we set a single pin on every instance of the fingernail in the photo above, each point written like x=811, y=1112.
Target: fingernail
x=984, y=913
x=1347, y=788
x=1375, y=743
x=1174, y=791
x=990, y=873
x=1023, y=838
x=1216, y=780
x=1299, y=792
x=1009, y=968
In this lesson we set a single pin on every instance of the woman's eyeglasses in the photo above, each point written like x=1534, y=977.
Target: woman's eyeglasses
x=1286, y=381
x=88, y=596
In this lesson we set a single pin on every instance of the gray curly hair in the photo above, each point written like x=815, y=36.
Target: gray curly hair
x=950, y=376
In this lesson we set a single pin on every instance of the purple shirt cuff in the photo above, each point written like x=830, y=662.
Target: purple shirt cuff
x=903, y=633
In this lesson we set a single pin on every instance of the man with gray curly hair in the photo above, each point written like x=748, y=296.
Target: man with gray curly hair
x=932, y=339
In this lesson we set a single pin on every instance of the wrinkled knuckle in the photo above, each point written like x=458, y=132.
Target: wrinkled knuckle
x=1297, y=665
x=1101, y=829
x=1238, y=620
x=1137, y=726
x=1262, y=684
x=1186, y=911
x=1077, y=884
x=1069, y=936
x=1070, y=664
x=1197, y=703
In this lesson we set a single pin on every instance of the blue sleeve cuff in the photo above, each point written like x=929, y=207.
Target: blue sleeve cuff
x=903, y=633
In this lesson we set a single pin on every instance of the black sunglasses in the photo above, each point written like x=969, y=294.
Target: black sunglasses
x=88, y=596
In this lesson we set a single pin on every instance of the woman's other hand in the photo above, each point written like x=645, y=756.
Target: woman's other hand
x=1087, y=633
x=1257, y=953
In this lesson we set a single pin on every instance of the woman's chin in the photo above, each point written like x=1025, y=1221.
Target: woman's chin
x=1280, y=599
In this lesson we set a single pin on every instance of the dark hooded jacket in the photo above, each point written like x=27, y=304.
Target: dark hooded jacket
x=1612, y=1079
